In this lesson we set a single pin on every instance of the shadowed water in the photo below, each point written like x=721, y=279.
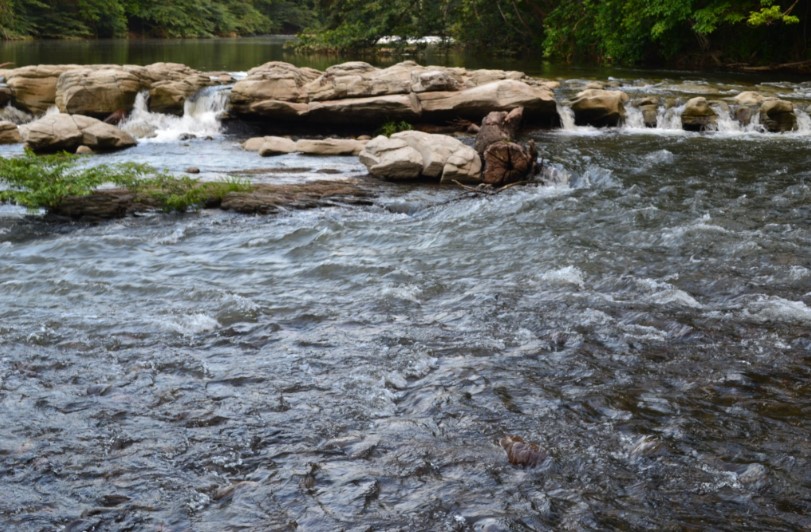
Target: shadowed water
x=646, y=322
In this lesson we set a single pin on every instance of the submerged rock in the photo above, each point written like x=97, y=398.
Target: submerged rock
x=521, y=453
x=271, y=145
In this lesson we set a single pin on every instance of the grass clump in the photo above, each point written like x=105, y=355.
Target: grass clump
x=46, y=181
x=390, y=128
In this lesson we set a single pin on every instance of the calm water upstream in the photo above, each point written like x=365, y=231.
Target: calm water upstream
x=646, y=320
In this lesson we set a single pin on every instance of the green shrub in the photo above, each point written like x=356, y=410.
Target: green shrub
x=45, y=181
x=390, y=128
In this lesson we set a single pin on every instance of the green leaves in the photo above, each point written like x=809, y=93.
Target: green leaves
x=46, y=181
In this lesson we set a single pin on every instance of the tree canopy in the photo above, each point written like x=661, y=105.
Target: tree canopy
x=615, y=31
x=151, y=18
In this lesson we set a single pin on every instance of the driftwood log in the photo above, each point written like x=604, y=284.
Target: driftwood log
x=504, y=160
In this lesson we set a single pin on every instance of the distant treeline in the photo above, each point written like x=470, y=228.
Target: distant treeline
x=65, y=19
x=647, y=32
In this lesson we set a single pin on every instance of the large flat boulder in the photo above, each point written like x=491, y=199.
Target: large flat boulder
x=501, y=95
x=96, y=92
x=363, y=96
x=371, y=110
x=59, y=131
x=276, y=81
x=411, y=155
x=33, y=88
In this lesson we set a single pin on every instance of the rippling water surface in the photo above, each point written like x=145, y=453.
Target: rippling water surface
x=646, y=321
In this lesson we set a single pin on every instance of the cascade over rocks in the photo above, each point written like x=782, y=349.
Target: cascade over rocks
x=58, y=131
x=98, y=90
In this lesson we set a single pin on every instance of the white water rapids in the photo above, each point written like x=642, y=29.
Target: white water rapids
x=645, y=321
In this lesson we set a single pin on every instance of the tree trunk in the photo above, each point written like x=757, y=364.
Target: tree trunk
x=504, y=160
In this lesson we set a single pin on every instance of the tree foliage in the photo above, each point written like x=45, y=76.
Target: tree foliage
x=157, y=18
x=617, y=31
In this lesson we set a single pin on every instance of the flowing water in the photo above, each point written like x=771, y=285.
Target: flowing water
x=645, y=319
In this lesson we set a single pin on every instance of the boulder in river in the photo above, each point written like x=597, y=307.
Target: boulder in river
x=34, y=87
x=599, y=108
x=58, y=131
x=9, y=133
x=272, y=145
x=777, y=116
x=649, y=107
x=96, y=92
x=411, y=155
x=171, y=84
x=520, y=453
x=362, y=96
x=698, y=115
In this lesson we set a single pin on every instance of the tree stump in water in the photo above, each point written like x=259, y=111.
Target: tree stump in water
x=504, y=160
x=508, y=162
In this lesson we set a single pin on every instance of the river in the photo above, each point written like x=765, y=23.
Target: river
x=645, y=319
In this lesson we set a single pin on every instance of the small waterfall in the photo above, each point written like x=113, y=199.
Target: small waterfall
x=566, y=118
x=725, y=123
x=669, y=118
x=634, y=119
x=14, y=115
x=803, y=122
x=201, y=117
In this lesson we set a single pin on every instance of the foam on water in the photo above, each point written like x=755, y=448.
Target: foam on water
x=774, y=308
x=566, y=275
x=201, y=117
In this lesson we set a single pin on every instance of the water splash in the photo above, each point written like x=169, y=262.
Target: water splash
x=803, y=122
x=634, y=119
x=14, y=115
x=566, y=118
x=725, y=122
x=669, y=118
x=201, y=117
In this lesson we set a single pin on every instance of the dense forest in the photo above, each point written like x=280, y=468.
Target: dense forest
x=648, y=32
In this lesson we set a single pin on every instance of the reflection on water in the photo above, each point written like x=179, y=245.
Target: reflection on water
x=237, y=54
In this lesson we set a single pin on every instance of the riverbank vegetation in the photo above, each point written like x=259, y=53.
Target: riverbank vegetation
x=47, y=181
x=630, y=32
